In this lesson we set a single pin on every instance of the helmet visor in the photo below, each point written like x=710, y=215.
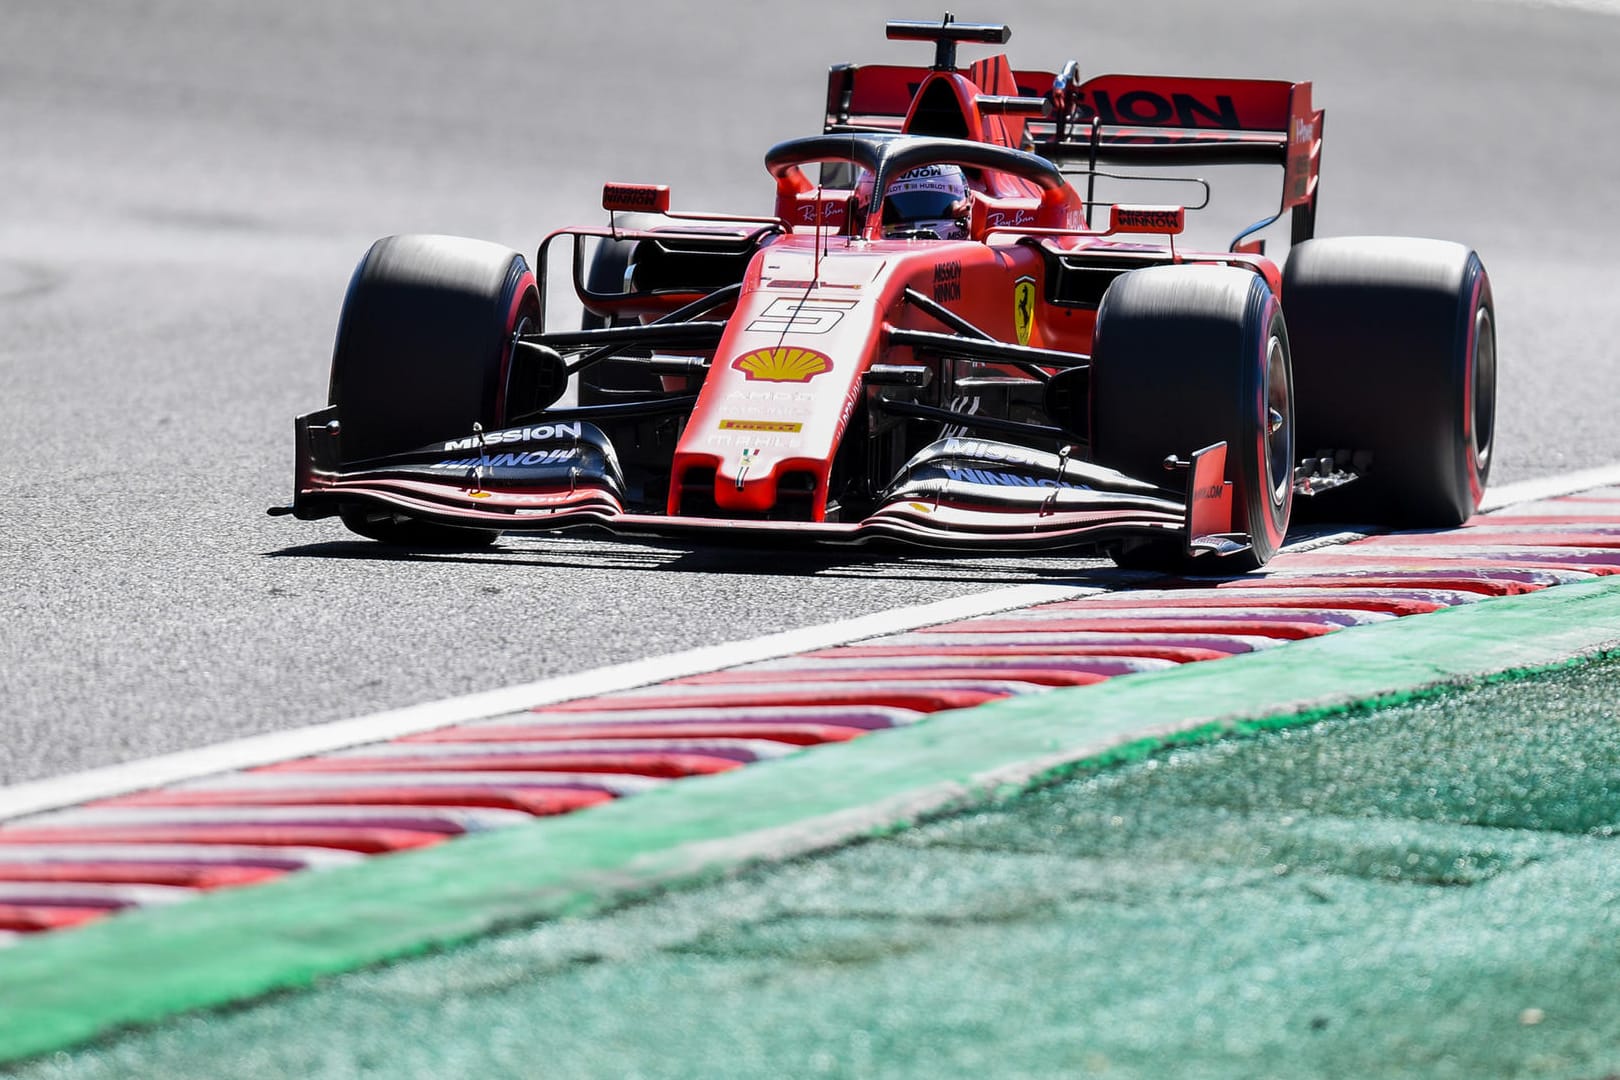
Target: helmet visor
x=909, y=206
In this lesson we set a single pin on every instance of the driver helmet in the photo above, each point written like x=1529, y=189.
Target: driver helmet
x=928, y=200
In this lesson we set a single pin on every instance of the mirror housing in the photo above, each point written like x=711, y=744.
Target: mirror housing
x=643, y=198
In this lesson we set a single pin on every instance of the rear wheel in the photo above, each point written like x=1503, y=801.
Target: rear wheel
x=421, y=354
x=1395, y=356
x=1188, y=356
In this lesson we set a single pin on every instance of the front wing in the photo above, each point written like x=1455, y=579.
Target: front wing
x=967, y=495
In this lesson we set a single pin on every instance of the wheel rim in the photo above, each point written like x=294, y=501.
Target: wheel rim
x=1483, y=389
x=527, y=310
x=1279, y=423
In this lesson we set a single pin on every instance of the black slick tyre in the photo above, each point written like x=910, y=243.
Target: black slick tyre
x=1188, y=356
x=422, y=351
x=1395, y=362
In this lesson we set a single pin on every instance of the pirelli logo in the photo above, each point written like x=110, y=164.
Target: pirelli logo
x=784, y=426
x=1148, y=219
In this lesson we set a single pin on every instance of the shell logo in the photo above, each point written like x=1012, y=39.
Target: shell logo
x=784, y=363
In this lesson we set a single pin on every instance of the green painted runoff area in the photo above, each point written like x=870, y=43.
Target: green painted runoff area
x=146, y=966
x=1427, y=890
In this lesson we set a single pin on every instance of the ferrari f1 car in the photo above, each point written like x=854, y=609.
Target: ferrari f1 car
x=941, y=336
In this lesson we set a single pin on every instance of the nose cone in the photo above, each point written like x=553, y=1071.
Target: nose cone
x=770, y=411
x=786, y=377
x=747, y=482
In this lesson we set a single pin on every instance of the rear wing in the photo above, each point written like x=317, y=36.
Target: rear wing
x=1153, y=120
x=1166, y=120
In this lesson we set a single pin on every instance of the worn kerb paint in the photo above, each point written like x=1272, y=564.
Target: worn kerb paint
x=50, y=794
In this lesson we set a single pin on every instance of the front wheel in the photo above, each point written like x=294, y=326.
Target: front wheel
x=1188, y=356
x=422, y=351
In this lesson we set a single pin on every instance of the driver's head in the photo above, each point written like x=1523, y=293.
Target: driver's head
x=932, y=199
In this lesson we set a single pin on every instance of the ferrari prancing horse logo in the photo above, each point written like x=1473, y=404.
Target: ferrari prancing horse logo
x=1024, y=308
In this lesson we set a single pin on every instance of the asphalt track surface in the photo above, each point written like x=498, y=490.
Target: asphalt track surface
x=185, y=188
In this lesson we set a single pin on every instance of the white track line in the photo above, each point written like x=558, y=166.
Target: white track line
x=1595, y=7
x=57, y=792
x=1549, y=487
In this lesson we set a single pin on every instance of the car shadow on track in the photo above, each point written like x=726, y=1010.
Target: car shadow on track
x=709, y=559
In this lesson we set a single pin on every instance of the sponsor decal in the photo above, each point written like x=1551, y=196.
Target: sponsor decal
x=522, y=434
x=948, y=281
x=750, y=398
x=1156, y=110
x=800, y=316
x=994, y=451
x=653, y=197
x=478, y=494
x=555, y=500
x=760, y=439
x=828, y=212
x=785, y=363
x=1304, y=130
x=1213, y=491
x=508, y=461
x=854, y=395
x=999, y=219
x=1024, y=308
x=767, y=408
x=1165, y=219
x=760, y=425
x=994, y=478
x=921, y=508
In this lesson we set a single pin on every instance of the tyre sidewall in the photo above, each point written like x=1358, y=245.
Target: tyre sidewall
x=1181, y=362
x=1262, y=496
x=1477, y=419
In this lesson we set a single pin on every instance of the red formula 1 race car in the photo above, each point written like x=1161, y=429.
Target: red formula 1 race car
x=943, y=336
